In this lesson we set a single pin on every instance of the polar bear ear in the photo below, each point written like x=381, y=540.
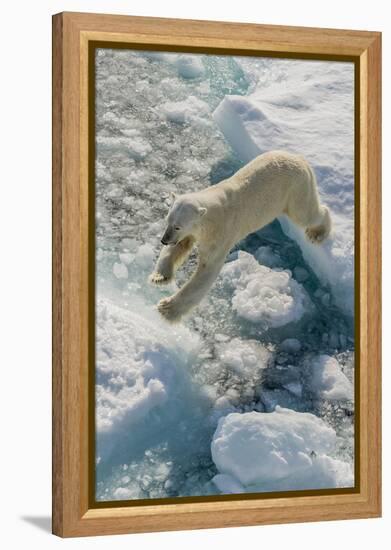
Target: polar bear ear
x=202, y=211
x=173, y=196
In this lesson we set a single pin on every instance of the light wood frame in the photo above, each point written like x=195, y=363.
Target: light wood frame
x=72, y=33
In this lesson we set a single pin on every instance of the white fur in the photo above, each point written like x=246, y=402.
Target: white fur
x=216, y=218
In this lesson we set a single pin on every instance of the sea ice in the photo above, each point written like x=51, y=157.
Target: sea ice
x=120, y=270
x=189, y=66
x=161, y=389
x=123, y=493
x=133, y=145
x=191, y=110
x=290, y=345
x=245, y=357
x=145, y=256
x=126, y=258
x=227, y=484
x=300, y=274
x=294, y=387
x=262, y=294
x=278, y=450
x=328, y=381
x=266, y=256
x=131, y=356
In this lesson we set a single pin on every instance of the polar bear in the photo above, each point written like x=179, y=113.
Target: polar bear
x=216, y=218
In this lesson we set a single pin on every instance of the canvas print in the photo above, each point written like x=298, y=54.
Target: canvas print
x=224, y=269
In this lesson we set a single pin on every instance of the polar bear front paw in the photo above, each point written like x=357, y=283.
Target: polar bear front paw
x=159, y=279
x=168, y=308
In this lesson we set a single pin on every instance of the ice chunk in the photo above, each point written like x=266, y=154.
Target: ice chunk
x=266, y=256
x=120, y=270
x=129, y=244
x=246, y=357
x=328, y=381
x=134, y=400
x=191, y=109
x=145, y=255
x=290, y=345
x=122, y=493
x=227, y=484
x=294, y=387
x=134, y=145
x=126, y=258
x=300, y=274
x=264, y=295
x=221, y=337
x=306, y=108
x=222, y=407
x=283, y=397
x=279, y=450
x=229, y=119
x=189, y=66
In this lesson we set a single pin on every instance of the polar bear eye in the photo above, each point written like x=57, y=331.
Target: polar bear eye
x=177, y=228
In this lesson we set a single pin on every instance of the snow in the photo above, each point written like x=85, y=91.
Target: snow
x=328, y=380
x=262, y=294
x=306, y=108
x=274, y=451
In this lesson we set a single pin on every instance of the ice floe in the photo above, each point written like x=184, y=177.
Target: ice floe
x=282, y=450
x=263, y=295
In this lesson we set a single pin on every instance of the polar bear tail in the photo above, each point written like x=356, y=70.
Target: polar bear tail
x=318, y=233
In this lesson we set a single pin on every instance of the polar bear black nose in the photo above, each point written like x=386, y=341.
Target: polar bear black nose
x=166, y=237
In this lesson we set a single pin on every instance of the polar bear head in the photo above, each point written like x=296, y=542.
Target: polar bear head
x=182, y=219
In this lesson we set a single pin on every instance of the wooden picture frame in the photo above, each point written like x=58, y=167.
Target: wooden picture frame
x=73, y=34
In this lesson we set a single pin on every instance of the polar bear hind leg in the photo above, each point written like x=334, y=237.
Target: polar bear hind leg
x=314, y=219
x=304, y=208
x=319, y=232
